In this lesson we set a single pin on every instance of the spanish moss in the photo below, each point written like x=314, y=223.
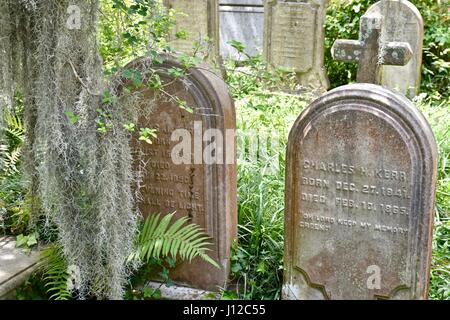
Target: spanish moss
x=82, y=175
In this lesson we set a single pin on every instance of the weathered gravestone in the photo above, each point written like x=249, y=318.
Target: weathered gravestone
x=360, y=188
x=243, y=21
x=370, y=51
x=199, y=183
x=402, y=22
x=199, y=21
x=294, y=39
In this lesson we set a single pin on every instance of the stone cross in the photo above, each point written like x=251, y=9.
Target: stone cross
x=370, y=52
x=403, y=22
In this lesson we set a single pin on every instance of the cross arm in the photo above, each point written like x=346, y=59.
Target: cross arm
x=396, y=54
x=347, y=50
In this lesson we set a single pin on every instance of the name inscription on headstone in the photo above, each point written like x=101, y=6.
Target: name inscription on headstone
x=382, y=191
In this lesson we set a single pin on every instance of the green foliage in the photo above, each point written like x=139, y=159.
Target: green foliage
x=253, y=76
x=127, y=27
x=263, y=118
x=27, y=241
x=14, y=212
x=159, y=244
x=72, y=117
x=438, y=114
x=54, y=273
x=440, y=267
x=436, y=60
x=159, y=238
x=10, y=153
x=147, y=134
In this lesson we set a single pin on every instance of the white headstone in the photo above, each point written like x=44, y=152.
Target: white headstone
x=402, y=22
x=243, y=21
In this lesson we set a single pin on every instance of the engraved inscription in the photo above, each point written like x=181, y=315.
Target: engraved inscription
x=360, y=199
x=168, y=187
x=293, y=36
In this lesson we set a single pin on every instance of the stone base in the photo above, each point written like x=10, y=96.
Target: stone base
x=176, y=292
x=15, y=267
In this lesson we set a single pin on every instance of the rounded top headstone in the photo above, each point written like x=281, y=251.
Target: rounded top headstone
x=361, y=170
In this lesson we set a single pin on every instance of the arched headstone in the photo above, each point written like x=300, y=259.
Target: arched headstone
x=199, y=180
x=360, y=188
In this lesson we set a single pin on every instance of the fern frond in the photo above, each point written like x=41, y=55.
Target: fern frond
x=10, y=153
x=161, y=238
x=10, y=160
x=55, y=275
x=15, y=127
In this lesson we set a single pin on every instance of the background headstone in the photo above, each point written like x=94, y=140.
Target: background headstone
x=370, y=51
x=206, y=193
x=241, y=20
x=294, y=38
x=200, y=19
x=360, y=189
x=402, y=22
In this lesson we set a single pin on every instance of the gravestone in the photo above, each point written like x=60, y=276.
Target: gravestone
x=241, y=20
x=199, y=19
x=370, y=52
x=294, y=39
x=360, y=188
x=199, y=183
x=402, y=22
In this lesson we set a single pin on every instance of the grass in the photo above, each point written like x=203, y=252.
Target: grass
x=257, y=263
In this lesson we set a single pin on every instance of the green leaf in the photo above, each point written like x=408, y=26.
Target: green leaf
x=72, y=117
x=131, y=127
x=176, y=72
x=239, y=46
x=183, y=35
x=32, y=239
x=21, y=240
